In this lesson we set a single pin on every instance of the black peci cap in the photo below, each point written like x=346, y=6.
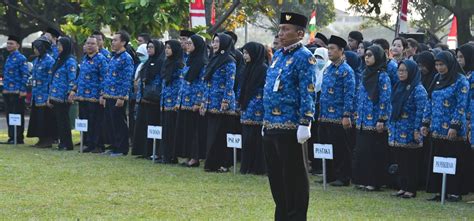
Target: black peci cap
x=14, y=38
x=322, y=37
x=293, y=19
x=337, y=41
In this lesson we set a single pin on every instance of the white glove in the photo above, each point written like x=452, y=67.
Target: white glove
x=263, y=131
x=303, y=133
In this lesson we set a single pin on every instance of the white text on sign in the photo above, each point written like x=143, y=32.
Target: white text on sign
x=444, y=165
x=323, y=151
x=81, y=125
x=14, y=119
x=154, y=132
x=234, y=141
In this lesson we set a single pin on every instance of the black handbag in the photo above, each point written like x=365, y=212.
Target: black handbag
x=152, y=93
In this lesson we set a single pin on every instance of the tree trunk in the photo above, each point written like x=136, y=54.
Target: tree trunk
x=464, y=28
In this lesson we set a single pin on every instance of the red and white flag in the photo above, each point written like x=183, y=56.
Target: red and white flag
x=402, y=26
x=453, y=35
x=197, y=13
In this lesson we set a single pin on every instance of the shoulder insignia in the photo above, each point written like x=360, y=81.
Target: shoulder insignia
x=312, y=60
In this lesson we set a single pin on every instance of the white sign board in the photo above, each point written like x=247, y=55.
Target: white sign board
x=154, y=132
x=14, y=119
x=444, y=165
x=323, y=151
x=234, y=141
x=81, y=125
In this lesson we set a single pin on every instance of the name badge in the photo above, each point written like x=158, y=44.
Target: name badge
x=277, y=84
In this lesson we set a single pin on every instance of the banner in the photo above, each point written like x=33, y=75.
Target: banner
x=197, y=13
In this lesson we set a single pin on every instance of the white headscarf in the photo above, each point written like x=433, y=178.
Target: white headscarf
x=142, y=51
x=321, y=52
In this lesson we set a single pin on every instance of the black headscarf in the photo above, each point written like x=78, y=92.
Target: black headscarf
x=131, y=51
x=42, y=44
x=154, y=63
x=426, y=59
x=172, y=63
x=254, y=73
x=371, y=73
x=197, y=59
x=467, y=51
x=403, y=89
x=65, y=54
x=444, y=80
x=220, y=57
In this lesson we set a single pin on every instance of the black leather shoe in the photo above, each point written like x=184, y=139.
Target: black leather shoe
x=408, y=195
x=398, y=194
x=453, y=198
x=87, y=150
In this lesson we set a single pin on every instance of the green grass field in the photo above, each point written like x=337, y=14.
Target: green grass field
x=39, y=184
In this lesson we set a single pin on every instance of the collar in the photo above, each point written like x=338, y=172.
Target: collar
x=338, y=62
x=293, y=47
x=91, y=57
x=117, y=54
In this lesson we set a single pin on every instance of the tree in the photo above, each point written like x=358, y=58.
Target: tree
x=24, y=17
x=463, y=10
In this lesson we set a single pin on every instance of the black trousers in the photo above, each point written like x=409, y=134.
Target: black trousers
x=340, y=167
x=15, y=105
x=61, y=113
x=116, y=120
x=131, y=117
x=252, y=158
x=218, y=154
x=147, y=114
x=93, y=113
x=42, y=123
x=370, y=158
x=287, y=175
x=167, y=148
x=408, y=168
x=455, y=184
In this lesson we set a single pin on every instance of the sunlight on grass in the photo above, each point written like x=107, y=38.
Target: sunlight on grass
x=46, y=184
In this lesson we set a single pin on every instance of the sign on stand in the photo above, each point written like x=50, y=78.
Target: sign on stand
x=81, y=125
x=15, y=121
x=324, y=152
x=234, y=141
x=444, y=165
x=155, y=133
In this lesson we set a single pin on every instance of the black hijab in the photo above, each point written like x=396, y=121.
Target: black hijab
x=254, y=73
x=371, y=73
x=467, y=51
x=197, y=59
x=154, y=63
x=403, y=89
x=173, y=62
x=65, y=54
x=444, y=80
x=220, y=57
x=426, y=59
x=43, y=45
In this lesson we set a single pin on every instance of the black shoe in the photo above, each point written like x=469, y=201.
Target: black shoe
x=13, y=142
x=408, y=195
x=44, y=145
x=398, y=194
x=453, y=198
x=436, y=197
x=97, y=150
x=193, y=165
x=339, y=183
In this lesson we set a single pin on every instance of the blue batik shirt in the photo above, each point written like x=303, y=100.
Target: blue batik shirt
x=369, y=113
x=401, y=132
x=41, y=79
x=63, y=81
x=15, y=74
x=169, y=93
x=220, y=89
x=337, y=93
x=92, y=72
x=116, y=83
x=447, y=110
x=187, y=95
x=289, y=93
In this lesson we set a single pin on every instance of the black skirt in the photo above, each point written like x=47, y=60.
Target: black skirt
x=218, y=154
x=455, y=184
x=42, y=123
x=408, y=174
x=369, y=163
x=186, y=139
x=167, y=149
x=147, y=114
x=202, y=136
x=252, y=158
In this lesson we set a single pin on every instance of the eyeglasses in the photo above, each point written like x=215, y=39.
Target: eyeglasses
x=369, y=55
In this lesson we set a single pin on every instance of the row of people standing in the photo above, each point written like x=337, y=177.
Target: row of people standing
x=396, y=107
